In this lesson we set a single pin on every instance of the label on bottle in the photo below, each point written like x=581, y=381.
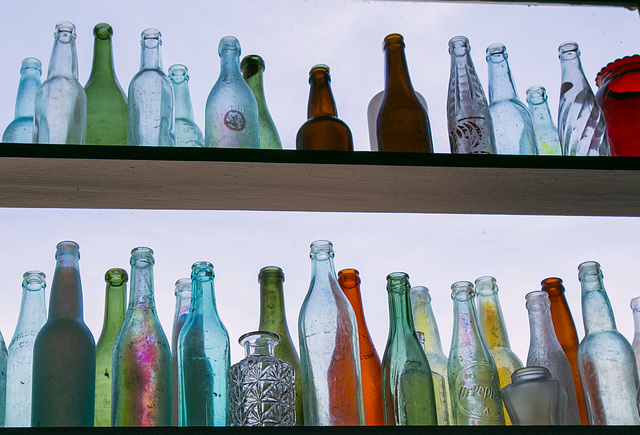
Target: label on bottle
x=234, y=120
x=477, y=390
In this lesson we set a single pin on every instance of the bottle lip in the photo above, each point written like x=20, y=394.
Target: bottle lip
x=269, y=271
x=459, y=42
x=33, y=275
x=320, y=69
x=65, y=26
x=420, y=291
x=635, y=303
x=320, y=246
x=116, y=273
x=589, y=268
x=253, y=338
x=486, y=285
x=68, y=247
x=228, y=43
x=201, y=269
x=536, y=94
x=568, y=50
x=252, y=59
x=459, y=287
x=617, y=66
x=393, y=38
x=103, y=31
x=142, y=253
x=530, y=373
x=178, y=73
x=151, y=33
x=31, y=62
x=496, y=53
x=536, y=298
x=182, y=286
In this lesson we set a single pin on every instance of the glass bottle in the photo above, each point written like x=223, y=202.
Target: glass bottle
x=547, y=139
x=188, y=134
x=64, y=352
x=425, y=323
x=535, y=398
x=329, y=351
x=468, y=117
x=606, y=360
x=115, y=306
x=372, y=116
x=106, y=103
x=635, y=344
x=151, y=109
x=141, y=391
x=32, y=317
x=261, y=386
x=273, y=319
x=545, y=350
x=20, y=130
x=407, y=380
x=580, y=120
x=181, y=312
x=370, y=366
x=61, y=103
x=231, y=113
x=3, y=379
x=512, y=123
x=203, y=356
x=323, y=130
x=473, y=377
x=252, y=68
x=402, y=123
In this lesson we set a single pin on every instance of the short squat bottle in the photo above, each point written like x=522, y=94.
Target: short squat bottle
x=180, y=314
x=188, y=134
x=20, y=130
x=61, y=103
x=635, y=344
x=547, y=138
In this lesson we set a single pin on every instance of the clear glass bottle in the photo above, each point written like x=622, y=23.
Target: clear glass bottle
x=547, y=138
x=141, y=391
x=64, y=353
x=115, y=306
x=273, y=319
x=580, y=121
x=151, y=106
x=187, y=133
x=20, y=130
x=106, y=102
x=261, y=386
x=468, y=117
x=329, y=351
x=203, y=356
x=370, y=365
x=545, y=350
x=425, y=324
x=252, y=68
x=180, y=314
x=61, y=103
x=231, y=113
x=606, y=360
x=635, y=344
x=512, y=123
x=32, y=317
x=406, y=377
x=473, y=377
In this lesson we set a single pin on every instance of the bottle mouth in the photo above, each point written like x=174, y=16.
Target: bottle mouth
x=151, y=38
x=142, y=253
x=31, y=62
x=228, y=43
x=496, y=53
x=116, y=276
x=635, y=303
x=178, y=73
x=65, y=27
x=393, y=38
x=33, y=280
x=103, y=31
x=459, y=45
x=530, y=373
x=201, y=270
x=536, y=94
x=319, y=70
x=537, y=300
x=321, y=249
x=270, y=271
x=182, y=286
x=568, y=50
x=462, y=290
x=251, y=65
x=349, y=278
x=420, y=292
x=68, y=247
x=589, y=268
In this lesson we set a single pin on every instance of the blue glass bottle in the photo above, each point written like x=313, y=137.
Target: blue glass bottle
x=180, y=314
x=547, y=138
x=188, y=134
x=20, y=130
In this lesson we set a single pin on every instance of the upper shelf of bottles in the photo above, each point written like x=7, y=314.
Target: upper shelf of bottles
x=627, y=3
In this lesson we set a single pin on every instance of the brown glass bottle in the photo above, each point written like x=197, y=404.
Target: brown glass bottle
x=567, y=335
x=323, y=129
x=403, y=123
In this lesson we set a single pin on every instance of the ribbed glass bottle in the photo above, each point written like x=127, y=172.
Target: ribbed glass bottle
x=547, y=138
x=180, y=314
x=635, y=344
x=20, y=130
x=188, y=134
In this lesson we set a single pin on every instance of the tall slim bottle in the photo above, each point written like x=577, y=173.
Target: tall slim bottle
x=64, y=353
x=468, y=117
x=231, y=113
x=252, y=68
x=188, y=134
x=20, y=360
x=141, y=389
x=180, y=314
x=370, y=365
x=402, y=124
x=273, y=319
x=635, y=344
x=329, y=351
x=20, y=130
x=115, y=306
x=425, y=323
x=106, y=103
x=61, y=103
x=323, y=130
x=151, y=108
x=512, y=123
x=547, y=138
x=203, y=356
x=606, y=360
x=473, y=377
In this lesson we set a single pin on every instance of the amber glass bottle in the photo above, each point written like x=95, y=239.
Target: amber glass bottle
x=323, y=129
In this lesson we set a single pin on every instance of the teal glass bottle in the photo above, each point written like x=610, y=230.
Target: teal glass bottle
x=203, y=356
x=547, y=138
x=20, y=130
x=407, y=382
x=64, y=353
x=188, y=134
x=141, y=389
x=180, y=314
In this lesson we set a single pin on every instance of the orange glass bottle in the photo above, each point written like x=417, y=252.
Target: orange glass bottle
x=567, y=335
x=370, y=366
x=323, y=130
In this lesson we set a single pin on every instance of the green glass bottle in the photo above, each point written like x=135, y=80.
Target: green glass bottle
x=252, y=68
x=115, y=306
x=407, y=382
x=106, y=101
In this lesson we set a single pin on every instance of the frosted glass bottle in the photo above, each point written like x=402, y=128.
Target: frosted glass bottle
x=188, y=134
x=20, y=130
x=547, y=138
x=635, y=344
x=151, y=107
x=606, y=361
x=329, y=350
x=231, y=113
x=180, y=314
x=61, y=103
x=20, y=360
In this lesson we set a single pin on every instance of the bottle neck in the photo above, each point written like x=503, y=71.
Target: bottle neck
x=183, y=105
x=468, y=90
x=32, y=309
x=229, y=64
x=596, y=308
x=400, y=316
x=203, y=297
x=501, y=86
x=150, y=55
x=27, y=89
x=636, y=323
x=272, y=314
x=466, y=334
x=102, y=59
x=66, y=289
x=115, y=306
x=425, y=322
x=255, y=80
x=541, y=113
x=321, y=102
x=541, y=326
x=572, y=73
x=491, y=319
x=322, y=270
x=142, y=293
x=397, y=77
x=64, y=58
